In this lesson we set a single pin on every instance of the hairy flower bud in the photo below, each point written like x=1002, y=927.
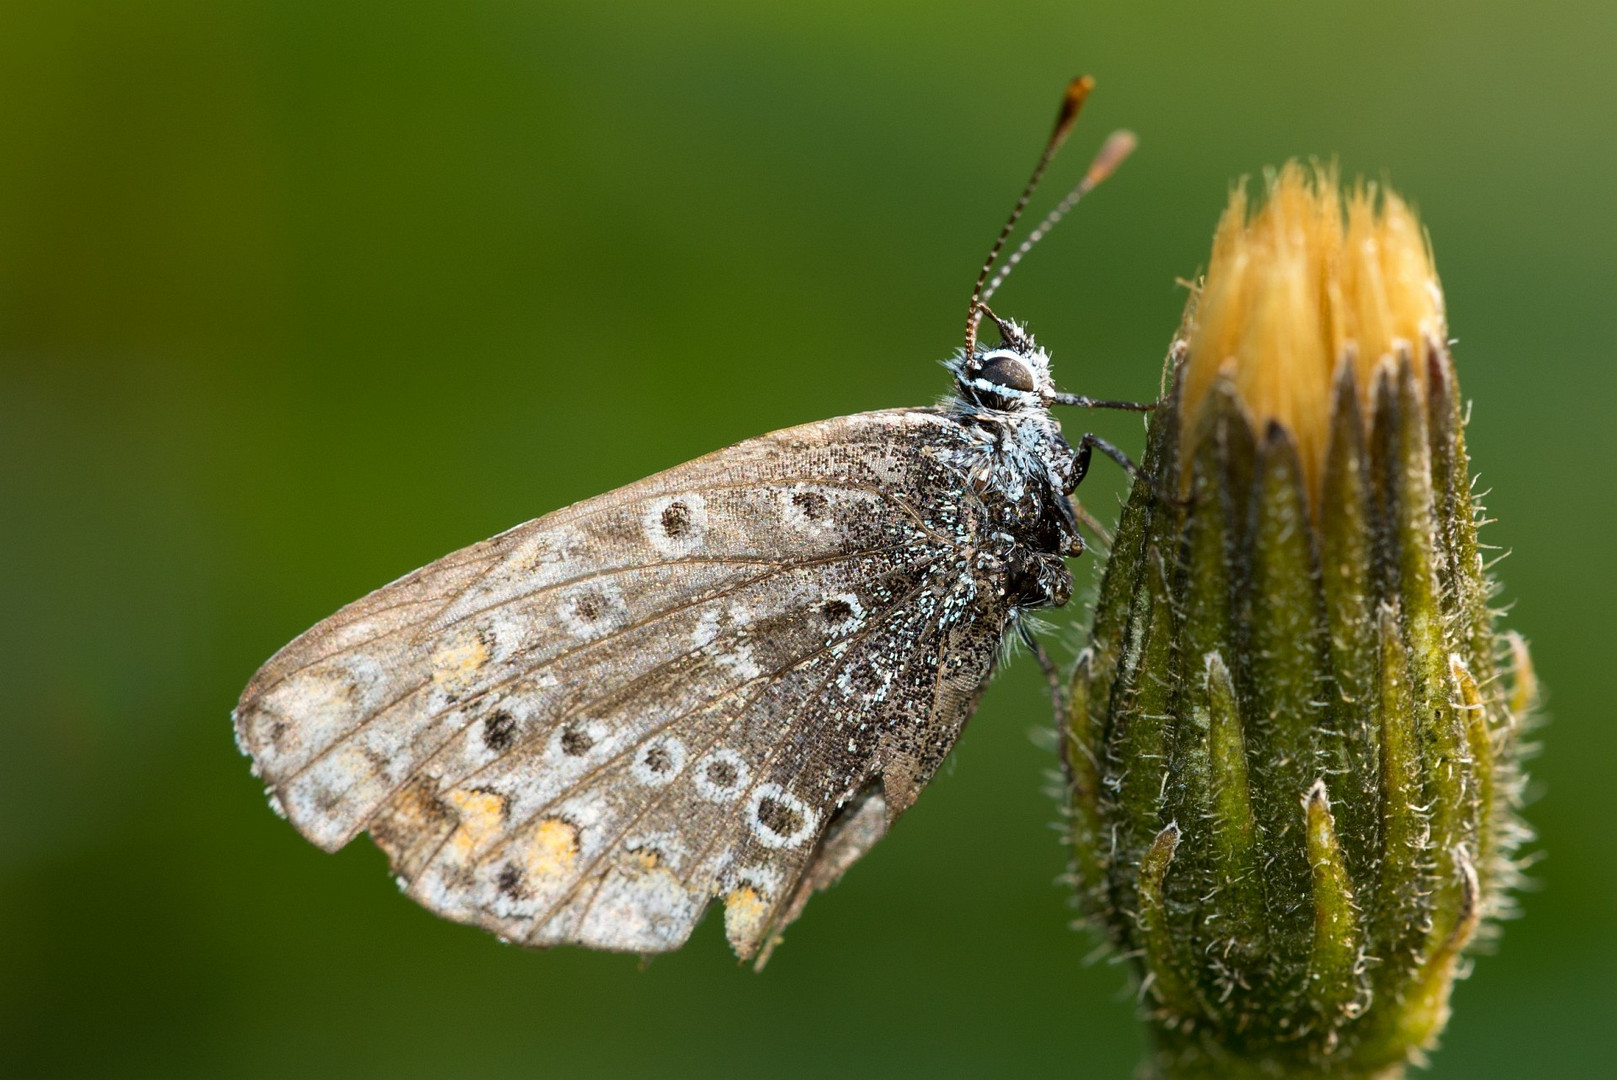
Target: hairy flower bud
x=1291, y=749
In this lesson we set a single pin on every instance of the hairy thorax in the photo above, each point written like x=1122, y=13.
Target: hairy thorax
x=1022, y=469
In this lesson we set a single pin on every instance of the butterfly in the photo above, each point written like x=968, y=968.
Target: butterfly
x=724, y=682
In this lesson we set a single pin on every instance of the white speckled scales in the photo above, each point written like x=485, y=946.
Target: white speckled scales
x=723, y=681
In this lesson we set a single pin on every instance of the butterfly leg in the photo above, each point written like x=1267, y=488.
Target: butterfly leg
x=1083, y=517
x=1052, y=674
x=1092, y=442
x=1086, y=449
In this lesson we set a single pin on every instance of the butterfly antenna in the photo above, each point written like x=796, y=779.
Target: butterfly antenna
x=1118, y=146
x=1071, y=103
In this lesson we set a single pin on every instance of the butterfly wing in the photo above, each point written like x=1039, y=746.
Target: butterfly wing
x=725, y=680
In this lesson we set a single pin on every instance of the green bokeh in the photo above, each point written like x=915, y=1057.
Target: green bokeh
x=295, y=297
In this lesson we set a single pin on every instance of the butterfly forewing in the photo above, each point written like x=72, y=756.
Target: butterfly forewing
x=723, y=681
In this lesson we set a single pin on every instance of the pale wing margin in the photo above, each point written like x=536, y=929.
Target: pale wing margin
x=447, y=709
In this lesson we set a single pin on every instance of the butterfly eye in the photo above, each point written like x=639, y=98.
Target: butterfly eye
x=1007, y=370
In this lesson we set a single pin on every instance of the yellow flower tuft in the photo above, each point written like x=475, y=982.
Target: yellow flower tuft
x=1314, y=279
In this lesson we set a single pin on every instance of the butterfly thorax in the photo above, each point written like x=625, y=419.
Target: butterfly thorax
x=1020, y=467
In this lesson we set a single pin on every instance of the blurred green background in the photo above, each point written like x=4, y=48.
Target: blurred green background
x=296, y=296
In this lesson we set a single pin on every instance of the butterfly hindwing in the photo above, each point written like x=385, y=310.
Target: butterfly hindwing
x=723, y=681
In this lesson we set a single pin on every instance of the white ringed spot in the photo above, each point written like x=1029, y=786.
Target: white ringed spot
x=658, y=761
x=676, y=524
x=591, y=609
x=806, y=508
x=578, y=740
x=778, y=818
x=721, y=775
x=843, y=613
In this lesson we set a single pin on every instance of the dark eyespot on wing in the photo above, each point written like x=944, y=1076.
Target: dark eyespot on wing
x=509, y=881
x=676, y=519
x=813, y=504
x=576, y=741
x=499, y=730
x=778, y=817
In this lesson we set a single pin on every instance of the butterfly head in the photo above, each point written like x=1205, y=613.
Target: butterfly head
x=1011, y=377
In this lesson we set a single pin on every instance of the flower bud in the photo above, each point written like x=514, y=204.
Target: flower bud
x=1292, y=740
